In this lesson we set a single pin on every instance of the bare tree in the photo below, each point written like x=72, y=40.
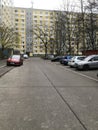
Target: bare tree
x=60, y=32
x=91, y=27
x=88, y=24
x=8, y=37
x=78, y=32
x=65, y=28
x=46, y=36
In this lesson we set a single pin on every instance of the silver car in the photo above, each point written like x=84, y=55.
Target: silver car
x=90, y=62
x=74, y=60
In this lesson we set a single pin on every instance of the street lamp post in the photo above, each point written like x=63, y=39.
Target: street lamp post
x=82, y=11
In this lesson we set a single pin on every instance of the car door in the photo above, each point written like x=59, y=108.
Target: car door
x=93, y=63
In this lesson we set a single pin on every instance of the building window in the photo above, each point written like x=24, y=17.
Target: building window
x=22, y=11
x=22, y=29
x=22, y=20
x=16, y=10
x=16, y=28
x=35, y=16
x=46, y=13
x=16, y=20
x=16, y=24
x=35, y=21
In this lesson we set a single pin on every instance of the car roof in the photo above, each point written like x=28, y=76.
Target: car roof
x=78, y=56
x=90, y=56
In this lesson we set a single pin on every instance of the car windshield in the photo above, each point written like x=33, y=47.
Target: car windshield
x=81, y=58
x=73, y=58
x=65, y=57
x=69, y=57
x=25, y=55
x=87, y=58
x=15, y=57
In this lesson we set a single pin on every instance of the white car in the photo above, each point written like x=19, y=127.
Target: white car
x=25, y=56
x=90, y=62
x=75, y=60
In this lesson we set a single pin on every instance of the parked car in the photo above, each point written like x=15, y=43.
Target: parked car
x=90, y=62
x=15, y=60
x=50, y=57
x=65, y=60
x=57, y=58
x=75, y=60
x=25, y=56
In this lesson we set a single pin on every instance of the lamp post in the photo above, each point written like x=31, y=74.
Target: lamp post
x=83, y=32
x=32, y=24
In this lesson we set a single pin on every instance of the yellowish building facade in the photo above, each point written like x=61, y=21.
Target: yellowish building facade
x=25, y=22
x=29, y=20
x=6, y=12
x=44, y=20
x=20, y=27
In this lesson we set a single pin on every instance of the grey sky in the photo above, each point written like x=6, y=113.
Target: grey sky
x=47, y=4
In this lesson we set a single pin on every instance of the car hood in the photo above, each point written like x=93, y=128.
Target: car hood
x=13, y=60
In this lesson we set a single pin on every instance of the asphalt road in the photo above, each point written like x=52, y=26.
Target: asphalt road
x=41, y=95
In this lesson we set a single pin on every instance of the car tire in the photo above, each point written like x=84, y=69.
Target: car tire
x=85, y=67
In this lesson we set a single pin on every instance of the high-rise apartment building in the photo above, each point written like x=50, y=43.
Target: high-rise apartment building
x=6, y=12
x=26, y=19
x=29, y=33
x=20, y=27
x=62, y=31
x=48, y=31
x=23, y=25
x=43, y=20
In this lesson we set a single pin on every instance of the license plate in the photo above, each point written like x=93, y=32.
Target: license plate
x=12, y=63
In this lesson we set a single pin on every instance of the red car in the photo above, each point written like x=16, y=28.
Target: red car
x=15, y=60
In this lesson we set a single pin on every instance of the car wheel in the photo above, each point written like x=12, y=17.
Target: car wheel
x=85, y=67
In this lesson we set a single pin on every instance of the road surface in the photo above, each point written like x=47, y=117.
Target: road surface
x=41, y=95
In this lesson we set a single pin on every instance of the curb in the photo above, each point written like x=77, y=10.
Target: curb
x=4, y=73
x=2, y=66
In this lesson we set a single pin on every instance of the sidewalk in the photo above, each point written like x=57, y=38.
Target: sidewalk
x=2, y=63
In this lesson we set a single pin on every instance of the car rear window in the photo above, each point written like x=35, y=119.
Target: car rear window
x=15, y=57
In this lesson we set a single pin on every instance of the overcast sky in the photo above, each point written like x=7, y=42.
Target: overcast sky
x=41, y=4
x=44, y=4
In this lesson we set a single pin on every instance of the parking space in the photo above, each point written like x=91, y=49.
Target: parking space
x=87, y=73
x=91, y=73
